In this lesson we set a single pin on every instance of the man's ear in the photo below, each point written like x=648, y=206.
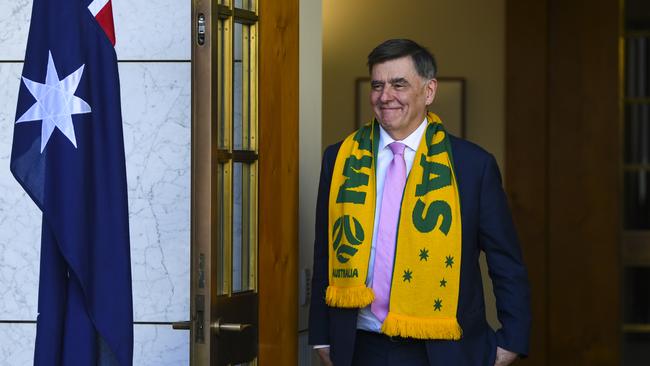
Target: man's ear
x=430, y=90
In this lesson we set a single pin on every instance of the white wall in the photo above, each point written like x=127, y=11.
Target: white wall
x=310, y=84
x=153, y=47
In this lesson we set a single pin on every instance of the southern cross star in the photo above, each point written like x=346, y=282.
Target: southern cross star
x=449, y=261
x=55, y=103
x=424, y=254
x=408, y=275
x=437, y=305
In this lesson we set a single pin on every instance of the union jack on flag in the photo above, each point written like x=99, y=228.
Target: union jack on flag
x=102, y=10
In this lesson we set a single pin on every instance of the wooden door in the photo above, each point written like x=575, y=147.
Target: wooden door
x=562, y=173
x=244, y=182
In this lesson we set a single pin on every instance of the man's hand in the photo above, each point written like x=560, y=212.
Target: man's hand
x=504, y=357
x=324, y=354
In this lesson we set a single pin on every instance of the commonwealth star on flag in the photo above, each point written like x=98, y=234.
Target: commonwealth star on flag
x=68, y=155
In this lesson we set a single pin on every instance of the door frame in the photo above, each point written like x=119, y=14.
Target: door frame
x=278, y=170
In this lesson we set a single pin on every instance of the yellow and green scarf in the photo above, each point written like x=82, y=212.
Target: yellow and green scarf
x=426, y=272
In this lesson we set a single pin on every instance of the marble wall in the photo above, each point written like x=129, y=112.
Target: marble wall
x=153, y=48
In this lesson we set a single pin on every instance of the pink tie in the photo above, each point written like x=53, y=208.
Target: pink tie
x=387, y=232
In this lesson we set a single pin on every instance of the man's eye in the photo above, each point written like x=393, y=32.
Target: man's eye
x=377, y=87
x=399, y=86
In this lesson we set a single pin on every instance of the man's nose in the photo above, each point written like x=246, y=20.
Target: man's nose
x=386, y=95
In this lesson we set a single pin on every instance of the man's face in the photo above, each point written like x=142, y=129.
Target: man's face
x=400, y=96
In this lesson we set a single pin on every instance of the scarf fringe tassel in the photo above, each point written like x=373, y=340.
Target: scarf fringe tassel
x=421, y=328
x=349, y=297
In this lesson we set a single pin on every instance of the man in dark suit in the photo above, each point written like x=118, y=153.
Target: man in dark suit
x=403, y=85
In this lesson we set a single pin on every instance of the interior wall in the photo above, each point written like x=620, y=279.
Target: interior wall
x=310, y=107
x=466, y=37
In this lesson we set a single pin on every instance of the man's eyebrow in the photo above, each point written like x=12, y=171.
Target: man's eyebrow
x=393, y=81
x=398, y=81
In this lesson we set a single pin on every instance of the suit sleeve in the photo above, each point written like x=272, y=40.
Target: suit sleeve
x=505, y=264
x=318, y=311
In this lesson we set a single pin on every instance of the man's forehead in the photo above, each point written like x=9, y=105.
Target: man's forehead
x=391, y=70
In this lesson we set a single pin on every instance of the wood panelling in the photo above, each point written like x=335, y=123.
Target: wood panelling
x=278, y=200
x=527, y=173
x=562, y=153
x=583, y=195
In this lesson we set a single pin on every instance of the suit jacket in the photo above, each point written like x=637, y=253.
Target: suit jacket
x=486, y=226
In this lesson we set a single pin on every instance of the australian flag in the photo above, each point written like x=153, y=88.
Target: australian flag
x=68, y=155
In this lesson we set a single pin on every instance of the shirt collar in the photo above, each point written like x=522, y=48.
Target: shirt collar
x=412, y=141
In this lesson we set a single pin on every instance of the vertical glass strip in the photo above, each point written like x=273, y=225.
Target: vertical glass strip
x=246, y=86
x=221, y=230
x=237, y=218
x=252, y=94
x=252, y=226
x=637, y=133
x=226, y=84
x=636, y=204
x=224, y=77
x=241, y=87
x=221, y=93
x=243, y=212
x=636, y=288
x=246, y=226
x=227, y=225
x=238, y=88
x=630, y=62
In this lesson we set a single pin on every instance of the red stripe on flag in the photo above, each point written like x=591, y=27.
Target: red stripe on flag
x=105, y=20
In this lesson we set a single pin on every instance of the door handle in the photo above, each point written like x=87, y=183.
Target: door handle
x=218, y=327
x=182, y=325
